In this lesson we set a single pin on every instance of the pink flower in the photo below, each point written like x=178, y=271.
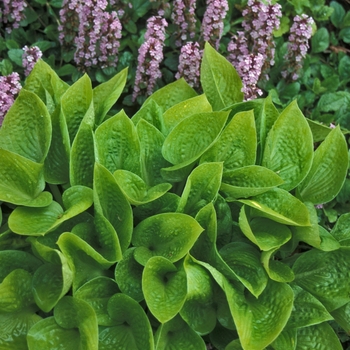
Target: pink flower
x=30, y=57
x=13, y=13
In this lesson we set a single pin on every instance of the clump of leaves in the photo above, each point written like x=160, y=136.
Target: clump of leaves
x=184, y=224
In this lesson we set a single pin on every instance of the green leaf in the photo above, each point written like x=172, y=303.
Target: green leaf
x=16, y=291
x=286, y=340
x=170, y=235
x=171, y=94
x=26, y=129
x=236, y=146
x=106, y=94
x=341, y=230
x=280, y=206
x=118, y=145
x=319, y=131
x=82, y=156
x=128, y=274
x=22, y=181
x=307, y=310
x=277, y=270
x=39, y=221
x=220, y=81
x=97, y=293
x=131, y=328
x=135, y=189
x=325, y=275
x=338, y=14
x=151, y=113
x=193, y=136
x=48, y=333
x=321, y=336
x=344, y=35
x=53, y=279
x=56, y=165
x=328, y=170
x=76, y=313
x=343, y=68
x=199, y=310
x=152, y=161
x=201, y=188
x=184, y=109
x=342, y=317
x=265, y=233
x=289, y=147
x=14, y=327
x=111, y=203
x=244, y=260
x=320, y=40
x=76, y=102
x=164, y=287
x=249, y=181
x=177, y=335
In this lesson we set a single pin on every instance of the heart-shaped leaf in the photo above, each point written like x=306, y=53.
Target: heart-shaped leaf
x=131, y=328
x=201, y=188
x=220, y=81
x=151, y=141
x=184, y=109
x=325, y=275
x=236, y=146
x=290, y=157
x=26, y=130
x=164, y=287
x=118, y=145
x=97, y=293
x=170, y=235
x=177, y=335
x=199, y=309
x=328, y=171
x=193, y=136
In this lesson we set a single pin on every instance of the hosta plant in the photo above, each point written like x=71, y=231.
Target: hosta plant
x=191, y=222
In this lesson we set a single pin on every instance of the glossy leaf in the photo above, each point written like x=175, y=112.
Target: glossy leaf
x=76, y=102
x=321, y=336
x=151, y=142
x=117, y=143
x=151, y=113
x=171, y=94
x=22, y=181
x=341, y=230
x=201, y=188
x=325, y=275
x=39, y=221
x=286, y=340
x=131, y=328
x=280, y=206
x=277, y=270
x=177, y=335
x=249, y=181
x=328, y=171
x=220, y=81
x=307, y=310
x=16, y=291
x=170, y=235
x=164, y=287
x=199, y=309
x=82, y=157
x=135, y=189
x=26, y=130
x=289, y=147
x=184, y=109
x=265, y=233
x=106, y=94
x=193, y=136
x=244, y=260
x=56, y=164
x=53, y=279
x=128, y=274
x=111, y=204
x=97, y=293
x=236, y=146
